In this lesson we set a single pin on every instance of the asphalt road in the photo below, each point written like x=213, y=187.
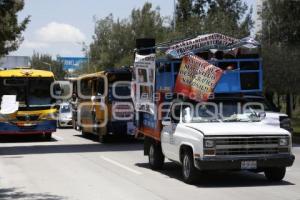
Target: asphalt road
x=73, y=167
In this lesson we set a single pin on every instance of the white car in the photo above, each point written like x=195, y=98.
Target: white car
x=64, y=115
x=200, y=141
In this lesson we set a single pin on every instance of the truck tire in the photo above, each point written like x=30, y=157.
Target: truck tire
x=156, y=157
x=189, y=172
x=275, y=174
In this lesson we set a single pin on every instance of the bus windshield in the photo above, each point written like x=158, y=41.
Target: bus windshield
x=30, y=92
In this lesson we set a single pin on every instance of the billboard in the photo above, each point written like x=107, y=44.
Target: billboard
x=72, y=63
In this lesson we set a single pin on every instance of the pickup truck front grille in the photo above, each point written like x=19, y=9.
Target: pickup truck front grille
x=250, y=145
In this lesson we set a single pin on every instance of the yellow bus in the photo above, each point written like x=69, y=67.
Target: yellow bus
x=105, y=105
x=26, y=102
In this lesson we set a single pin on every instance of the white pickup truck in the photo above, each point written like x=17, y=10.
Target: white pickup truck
x=201, y=139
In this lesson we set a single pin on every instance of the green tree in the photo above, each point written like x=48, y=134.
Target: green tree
x=114, y=40
x=11, y=30
x=229, y=17
x=280, y=48
x=45, y=62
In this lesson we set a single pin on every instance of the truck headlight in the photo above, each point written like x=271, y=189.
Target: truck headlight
x=283, y=142
x=209, y=143
x=285, y=123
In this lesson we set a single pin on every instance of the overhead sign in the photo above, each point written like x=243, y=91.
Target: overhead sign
x=72, y=63
x=209, y=41
x=197, y=78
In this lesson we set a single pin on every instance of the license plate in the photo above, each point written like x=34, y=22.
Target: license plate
x=249, y=164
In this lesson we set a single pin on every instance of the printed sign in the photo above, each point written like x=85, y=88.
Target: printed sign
x=197, y=78
x=143, y=86
x=207, y=42
x=72, y=63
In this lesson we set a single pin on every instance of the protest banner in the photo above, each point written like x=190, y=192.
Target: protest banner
x=144, y=83
x=209, y=41
x=197, y=78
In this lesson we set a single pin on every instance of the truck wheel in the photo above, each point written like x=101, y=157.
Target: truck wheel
x=156, y=157
x=275, y=174
x=189, y=172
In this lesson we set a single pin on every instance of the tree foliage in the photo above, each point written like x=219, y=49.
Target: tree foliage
x=45, y=62
x=10, y=29
x=114, y=40
x=230, y=17
x=280, y=37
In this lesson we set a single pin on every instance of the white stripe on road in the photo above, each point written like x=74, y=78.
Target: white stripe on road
x=57, y=138
x=121, y=165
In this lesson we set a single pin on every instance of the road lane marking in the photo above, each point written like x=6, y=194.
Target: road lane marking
x=57, y=138
x=121, y=165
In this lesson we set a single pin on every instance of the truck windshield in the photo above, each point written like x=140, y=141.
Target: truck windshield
x=219, y=113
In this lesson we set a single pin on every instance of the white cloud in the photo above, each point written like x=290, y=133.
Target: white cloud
x=59, y=33
x=34, y=45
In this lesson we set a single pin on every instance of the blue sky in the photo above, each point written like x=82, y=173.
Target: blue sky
x=58, y=27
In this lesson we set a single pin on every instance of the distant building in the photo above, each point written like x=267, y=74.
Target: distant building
x=9, y=62
x=72, y=63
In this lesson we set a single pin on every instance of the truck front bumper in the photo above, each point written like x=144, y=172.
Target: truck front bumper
x=234, y=163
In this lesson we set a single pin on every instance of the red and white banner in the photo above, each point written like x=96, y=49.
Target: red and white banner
x=197, y=78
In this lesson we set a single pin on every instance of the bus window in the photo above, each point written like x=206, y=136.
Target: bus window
x=86, y=87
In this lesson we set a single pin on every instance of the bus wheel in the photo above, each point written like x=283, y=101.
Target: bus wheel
x=102, y=134
x=102, y=138
x=83, y=133
x=156, y=157
x=48, y=136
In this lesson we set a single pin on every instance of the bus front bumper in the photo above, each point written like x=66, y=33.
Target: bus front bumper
x=28, y=128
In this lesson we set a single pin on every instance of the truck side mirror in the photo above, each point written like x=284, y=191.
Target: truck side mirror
x=166, y=121
x=262, y=115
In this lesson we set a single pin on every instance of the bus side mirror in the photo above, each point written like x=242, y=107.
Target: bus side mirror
x=61, y=90
x=262, y=115
x=166, y=121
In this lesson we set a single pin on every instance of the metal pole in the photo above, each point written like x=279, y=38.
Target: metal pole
x=50, y=66
x=174, y=15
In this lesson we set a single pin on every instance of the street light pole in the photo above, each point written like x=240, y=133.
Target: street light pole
x=50, y=66
x=174, y=15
